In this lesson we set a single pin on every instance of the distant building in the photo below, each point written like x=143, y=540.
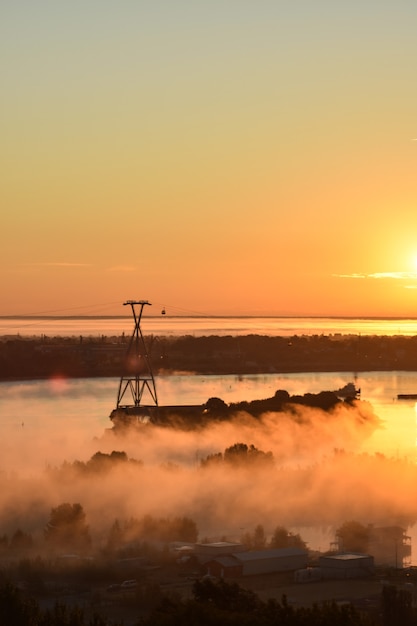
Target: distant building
x=257, y=562
x=308, y=575
x=207, y=551
x=390, y=546
x=346, y=565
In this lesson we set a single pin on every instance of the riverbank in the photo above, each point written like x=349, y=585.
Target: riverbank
x=70, y=357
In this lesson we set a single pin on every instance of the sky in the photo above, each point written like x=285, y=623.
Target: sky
x=223, y=157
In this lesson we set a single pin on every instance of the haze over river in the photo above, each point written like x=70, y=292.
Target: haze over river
x=68, y=413
x=187, y=325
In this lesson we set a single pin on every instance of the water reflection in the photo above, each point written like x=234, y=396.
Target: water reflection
x=88, y=402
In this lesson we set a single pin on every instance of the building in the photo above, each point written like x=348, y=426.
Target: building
x=390, y=546
x=257, y=562
x=208, y=551
x=346, y=565
x=308, y=575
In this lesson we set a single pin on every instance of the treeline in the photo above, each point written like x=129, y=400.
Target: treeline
x=215, y=603
x=217, y=410
x=42, y=357
x=219, y=602
x=67, y=531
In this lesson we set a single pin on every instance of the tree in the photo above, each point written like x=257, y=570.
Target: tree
x=216, y=407
x=21, y=541
x=255, y=540
x=279, y=538
x=67, y=527
x=259, y=539
x=225, y=596
x=115, y=538
x=242, y=455
x=353, y=536
x=282, y=538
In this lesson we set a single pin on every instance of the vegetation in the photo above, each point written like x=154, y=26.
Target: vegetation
x=100, y=463
x=67, y=528
x=239, y=455
x=281, y=538
x=213, y=603
x=39, y=357
x=352, y=536
x=150, y=529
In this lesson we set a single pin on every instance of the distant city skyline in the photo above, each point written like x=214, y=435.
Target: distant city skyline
x=222, y=158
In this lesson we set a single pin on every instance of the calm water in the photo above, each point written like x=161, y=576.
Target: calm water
x=86, y=404
x=236, y=326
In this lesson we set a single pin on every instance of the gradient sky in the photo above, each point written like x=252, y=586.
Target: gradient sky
x=222, y=157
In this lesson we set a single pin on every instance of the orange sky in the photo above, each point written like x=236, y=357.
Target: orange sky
x=218, y=158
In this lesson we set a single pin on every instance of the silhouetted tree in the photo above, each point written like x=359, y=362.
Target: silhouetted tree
x=282, y=538
x=353, y=536
x=255, y=540
x=242, y=455
x=67, y=527
x=225, y=596
x=115, y=537
x=21, y=541
x=216, y=407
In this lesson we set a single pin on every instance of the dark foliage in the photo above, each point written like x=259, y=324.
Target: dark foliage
x=133, y=533
x=240, y=455
x=220, y=603
x=67, y=528
x=353, y=536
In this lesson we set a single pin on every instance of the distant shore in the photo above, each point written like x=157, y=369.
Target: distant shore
x=71, y=357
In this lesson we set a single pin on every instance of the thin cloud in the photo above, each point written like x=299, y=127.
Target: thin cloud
x=122, y=268
x=58, y=264
x=383, y=275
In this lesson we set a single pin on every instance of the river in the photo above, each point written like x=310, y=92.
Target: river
x=68, y=413
x=87, y=403
x=168, y=325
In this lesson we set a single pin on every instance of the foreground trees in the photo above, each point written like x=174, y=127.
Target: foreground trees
x=213, y=603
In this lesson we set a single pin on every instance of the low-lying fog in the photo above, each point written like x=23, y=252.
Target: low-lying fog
x=318, y=476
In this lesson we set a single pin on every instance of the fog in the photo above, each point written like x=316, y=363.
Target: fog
x=318, y=476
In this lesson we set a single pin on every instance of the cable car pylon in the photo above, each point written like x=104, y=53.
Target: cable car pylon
x=137, y=400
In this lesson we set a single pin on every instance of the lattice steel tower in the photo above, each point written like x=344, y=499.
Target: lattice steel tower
x=137, y=378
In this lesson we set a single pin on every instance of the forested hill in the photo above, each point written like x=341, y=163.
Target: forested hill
x=42, y=357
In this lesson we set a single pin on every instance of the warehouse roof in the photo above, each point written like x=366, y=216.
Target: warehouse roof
x=270, y=554
x=227, y=561
x=349, y=556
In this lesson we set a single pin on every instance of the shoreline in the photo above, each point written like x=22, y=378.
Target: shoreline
x=104, y=357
